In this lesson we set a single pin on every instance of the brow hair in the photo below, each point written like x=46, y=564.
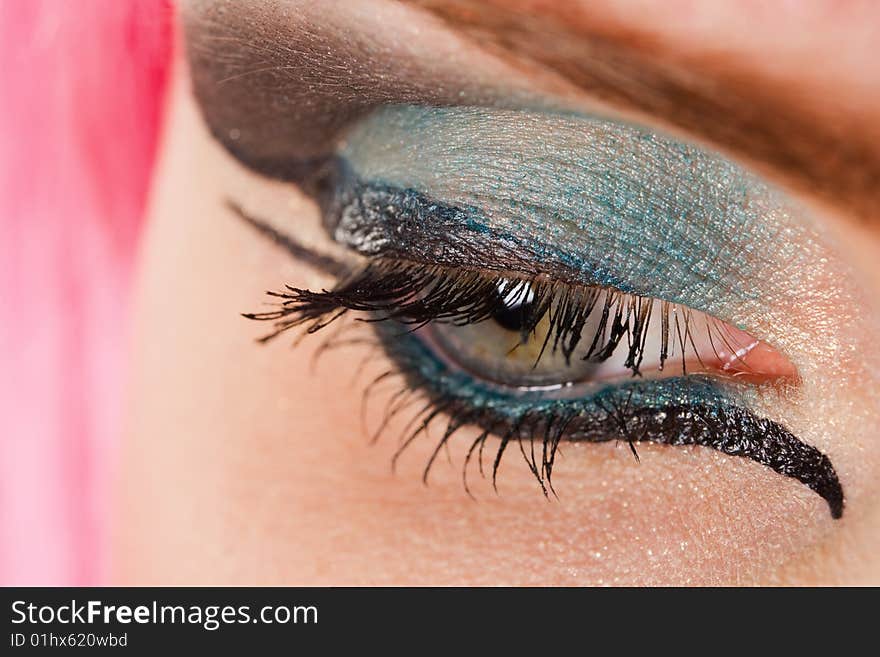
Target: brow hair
x=770, y=125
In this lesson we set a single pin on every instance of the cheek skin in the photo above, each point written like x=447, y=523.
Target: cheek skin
x=244, y=465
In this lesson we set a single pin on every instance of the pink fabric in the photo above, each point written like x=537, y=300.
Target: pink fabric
x=80, y=105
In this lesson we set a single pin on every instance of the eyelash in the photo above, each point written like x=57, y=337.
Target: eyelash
x=417, y=294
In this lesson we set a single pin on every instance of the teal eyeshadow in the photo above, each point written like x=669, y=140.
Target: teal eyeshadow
x=613, y=203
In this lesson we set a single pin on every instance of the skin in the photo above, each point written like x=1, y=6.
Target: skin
x=249, y=465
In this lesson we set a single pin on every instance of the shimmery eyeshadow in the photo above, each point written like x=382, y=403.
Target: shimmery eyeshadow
x=610, y=203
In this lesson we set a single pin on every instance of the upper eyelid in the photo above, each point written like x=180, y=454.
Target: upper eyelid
x=621, y=207
x=767, y=298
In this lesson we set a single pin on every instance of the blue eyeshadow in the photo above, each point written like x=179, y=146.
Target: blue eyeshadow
x=610, y=203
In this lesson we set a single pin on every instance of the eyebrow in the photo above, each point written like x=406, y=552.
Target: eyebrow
x=715, y=97
x=277, y=88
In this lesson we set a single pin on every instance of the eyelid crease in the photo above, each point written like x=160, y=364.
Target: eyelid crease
x=323, y=262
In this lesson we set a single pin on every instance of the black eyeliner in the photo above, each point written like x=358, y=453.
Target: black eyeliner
x=688, y=410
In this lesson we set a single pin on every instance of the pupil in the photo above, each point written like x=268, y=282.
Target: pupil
x=514, y=306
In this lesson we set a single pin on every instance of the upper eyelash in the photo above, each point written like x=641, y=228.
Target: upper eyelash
x=416, y=294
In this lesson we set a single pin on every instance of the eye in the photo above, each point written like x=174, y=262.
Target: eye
x=512, y=402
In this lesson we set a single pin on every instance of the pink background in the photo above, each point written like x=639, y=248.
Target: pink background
x=81, y=95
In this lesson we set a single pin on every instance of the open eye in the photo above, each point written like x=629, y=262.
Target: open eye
x=516, y=357
x=534, y=339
